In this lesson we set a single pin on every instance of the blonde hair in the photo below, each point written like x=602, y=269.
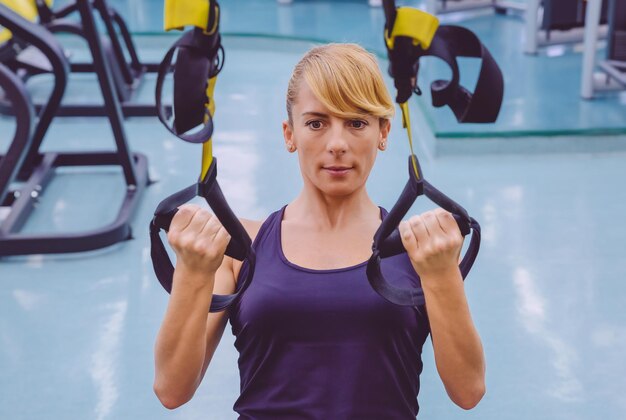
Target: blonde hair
x=345, y=78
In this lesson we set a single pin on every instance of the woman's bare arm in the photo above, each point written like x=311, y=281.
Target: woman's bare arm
x=433, y=242
x=189, y=334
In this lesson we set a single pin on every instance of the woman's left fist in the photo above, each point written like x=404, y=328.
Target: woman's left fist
x=433, y=242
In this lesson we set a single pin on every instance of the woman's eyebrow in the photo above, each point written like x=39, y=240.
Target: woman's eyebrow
x=315, y=114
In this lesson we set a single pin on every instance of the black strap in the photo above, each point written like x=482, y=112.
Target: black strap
x=450, y=42
x=45, y=13
x=387, y=241
x=239, y=247
x=482, y=106
x=191, y=69
x=197, y=61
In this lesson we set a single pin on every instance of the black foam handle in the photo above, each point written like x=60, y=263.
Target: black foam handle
x=233, y=249
x=392, y=245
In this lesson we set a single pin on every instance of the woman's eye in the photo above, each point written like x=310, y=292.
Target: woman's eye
x=357, y=124
x=315, y=125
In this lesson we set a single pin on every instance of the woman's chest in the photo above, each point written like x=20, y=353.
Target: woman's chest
x=299, y=305
x=326, y=250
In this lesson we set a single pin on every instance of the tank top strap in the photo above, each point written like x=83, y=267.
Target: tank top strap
x=264, y=241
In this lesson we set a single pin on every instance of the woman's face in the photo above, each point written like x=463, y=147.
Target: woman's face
x=336, y=155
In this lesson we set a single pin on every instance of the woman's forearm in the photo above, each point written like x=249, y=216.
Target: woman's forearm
x=457, y=346
x=181, y=342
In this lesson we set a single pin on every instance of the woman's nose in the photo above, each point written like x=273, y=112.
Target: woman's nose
x=336, y=142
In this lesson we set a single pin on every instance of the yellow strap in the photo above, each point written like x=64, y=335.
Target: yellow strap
x=207, y=156
x=5, y=35
x=421, y=27
x=181, y=13
x=27, y=9
x=210, y=89
x=177, y=15
x=207, y=147
x=406, y=122
x=413, y=23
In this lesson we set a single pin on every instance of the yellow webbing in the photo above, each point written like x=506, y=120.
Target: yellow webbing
x=181, y=13
x=207, y=147
x=421, y=27
x=177, y=15
x=25, y=8
x=413, y=23
x=406, y=123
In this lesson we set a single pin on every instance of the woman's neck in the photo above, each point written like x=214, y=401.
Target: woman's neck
x=331, y=213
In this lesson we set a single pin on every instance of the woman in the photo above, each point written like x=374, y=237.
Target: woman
x=315, y=341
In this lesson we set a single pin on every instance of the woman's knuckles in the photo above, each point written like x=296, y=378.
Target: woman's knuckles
x=185, y=212
x=191, y=208
x=198, y=248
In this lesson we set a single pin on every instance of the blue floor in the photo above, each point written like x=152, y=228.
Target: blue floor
x=547, y=293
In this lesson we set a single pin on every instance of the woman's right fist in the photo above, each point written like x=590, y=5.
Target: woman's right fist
x=198, y=238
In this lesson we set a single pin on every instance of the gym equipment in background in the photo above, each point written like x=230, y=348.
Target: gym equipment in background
x=31, y=171
x=552, y=22
x=438, y=7
x=612, y=75
x=116, y=44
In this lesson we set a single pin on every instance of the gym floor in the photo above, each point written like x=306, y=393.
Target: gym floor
x=547, y=292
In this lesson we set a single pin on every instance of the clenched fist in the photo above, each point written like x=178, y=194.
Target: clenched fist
x=433, y=242
x=198, y=238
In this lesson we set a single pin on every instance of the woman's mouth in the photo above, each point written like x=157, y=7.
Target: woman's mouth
x=337, y=170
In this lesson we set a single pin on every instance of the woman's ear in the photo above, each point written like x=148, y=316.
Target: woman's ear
x=385, y=126
x=287, y=131
x=288, y=135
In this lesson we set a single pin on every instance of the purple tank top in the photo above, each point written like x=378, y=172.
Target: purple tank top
x=322, y=344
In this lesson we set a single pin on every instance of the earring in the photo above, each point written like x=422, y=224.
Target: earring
x=291, y=147
x=383, y=144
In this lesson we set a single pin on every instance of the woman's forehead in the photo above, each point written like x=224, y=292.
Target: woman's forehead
x=306, y=101
x=307, y=104
x=305, y=93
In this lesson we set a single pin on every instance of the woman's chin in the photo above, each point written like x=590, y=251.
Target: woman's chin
x=338, y=190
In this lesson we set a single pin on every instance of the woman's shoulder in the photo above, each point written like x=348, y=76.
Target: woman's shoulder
x=254, y=226
x=251, y=226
